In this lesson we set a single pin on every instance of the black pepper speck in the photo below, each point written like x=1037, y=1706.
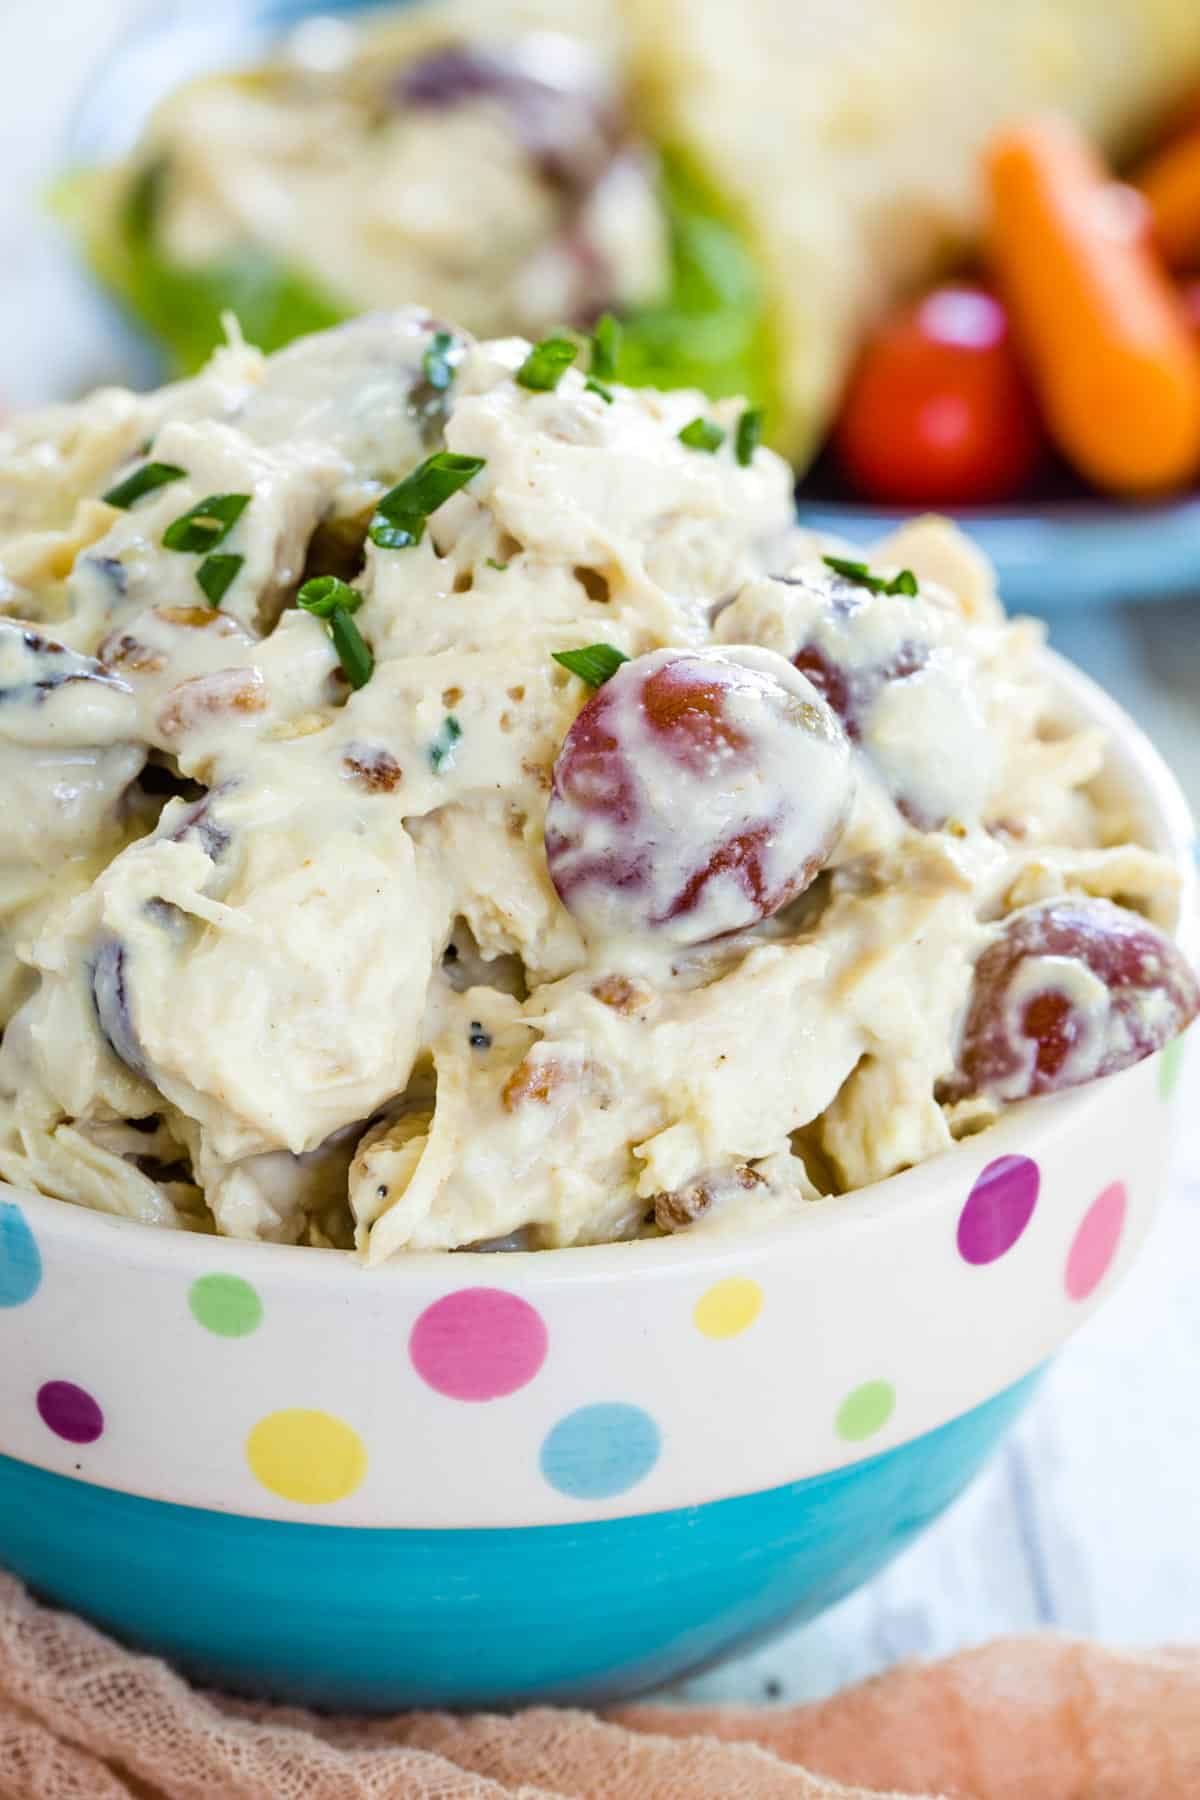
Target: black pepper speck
x=479, y=1037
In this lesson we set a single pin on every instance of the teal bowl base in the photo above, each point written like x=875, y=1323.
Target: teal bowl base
x=378, y=1620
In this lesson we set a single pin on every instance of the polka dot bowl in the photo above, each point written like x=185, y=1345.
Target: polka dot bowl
x=468, y=1479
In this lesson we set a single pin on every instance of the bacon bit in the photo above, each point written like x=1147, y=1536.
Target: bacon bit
x=126, y=652
x=623, y=995
x=532, y=1080
x=207, y=697
x=540, y=774
x=676, y=1211
x=372, y=768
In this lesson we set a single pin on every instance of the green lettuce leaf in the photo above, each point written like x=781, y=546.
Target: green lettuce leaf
x=711, y=330
x=181, y=305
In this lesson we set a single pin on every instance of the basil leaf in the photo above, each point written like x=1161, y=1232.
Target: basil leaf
x=207, y=524
x=595, y=663
x=146, y=480
x=217, y=574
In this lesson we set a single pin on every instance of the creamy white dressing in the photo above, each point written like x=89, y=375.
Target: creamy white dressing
x=305, y=937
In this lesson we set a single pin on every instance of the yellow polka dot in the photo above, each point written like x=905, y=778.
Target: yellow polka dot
x=310, y=1457
x=728, y=1307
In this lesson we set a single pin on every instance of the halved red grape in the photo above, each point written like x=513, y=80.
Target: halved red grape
x=1073, y=989
x=696, y=793
x=886, y=666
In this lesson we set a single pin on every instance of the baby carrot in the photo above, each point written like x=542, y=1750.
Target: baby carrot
x=1112, y=360
x=1170, y=182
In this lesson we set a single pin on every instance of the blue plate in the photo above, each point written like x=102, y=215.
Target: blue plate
x=1062, y=554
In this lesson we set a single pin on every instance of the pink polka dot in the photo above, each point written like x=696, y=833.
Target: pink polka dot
x=478, y=1344
x=998, y=1208
x=1096, y=1241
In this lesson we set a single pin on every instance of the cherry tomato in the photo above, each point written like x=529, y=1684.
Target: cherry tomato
x=938, y=409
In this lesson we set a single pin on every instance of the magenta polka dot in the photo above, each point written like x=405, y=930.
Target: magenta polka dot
x=1095, y=1243
x=70, y=1412
x=478, y=1344
x=998, y=1208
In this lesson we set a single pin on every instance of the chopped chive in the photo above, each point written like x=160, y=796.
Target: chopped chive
x=352, y=649
x=859, y=573
x=606, y=348
x=547, y=363
x=702, y=434
x=595, y=663
x=498, y=566
x=437, y=364
x=206, y=524
x=145, y=480
x=749, y=435
x=592, y=386
x=334, y=601
x=399, y=520
x=326, y=594
x=441, y=751
x=217, y=574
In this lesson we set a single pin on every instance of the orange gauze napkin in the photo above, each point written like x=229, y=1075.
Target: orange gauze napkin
x=1043, y=1719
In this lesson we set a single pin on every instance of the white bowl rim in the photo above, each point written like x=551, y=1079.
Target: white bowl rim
x=1169, y=824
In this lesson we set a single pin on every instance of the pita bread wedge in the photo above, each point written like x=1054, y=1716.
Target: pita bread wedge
x=843, y=135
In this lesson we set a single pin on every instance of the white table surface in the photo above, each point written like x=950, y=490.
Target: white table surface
x=1089, y=1518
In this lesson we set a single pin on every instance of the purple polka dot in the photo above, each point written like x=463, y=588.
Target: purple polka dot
x=998, y=1208
x=478, y=1344
x=1095, y=1243
x=70, y=1412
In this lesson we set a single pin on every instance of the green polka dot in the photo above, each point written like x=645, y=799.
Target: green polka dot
x=1170, y=1066
x=865, y=1410
x=225, y=1304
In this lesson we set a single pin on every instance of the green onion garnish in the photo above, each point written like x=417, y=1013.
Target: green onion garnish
x=499, y=567
x=749, y=435
x=400, y=516
x=206, y=524
x=143, y=481
x=858, y=572
x=547, y=363
x=702, y=434
x=217, y=574
x=441, y=751
x=595, y=663
x=334, y=601
x=436, y=364
x=592, y=386
x=352, y=649
x=606, y=348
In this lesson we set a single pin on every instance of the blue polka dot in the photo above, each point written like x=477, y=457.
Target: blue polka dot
x=600, y=1450
x=20, y=1263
